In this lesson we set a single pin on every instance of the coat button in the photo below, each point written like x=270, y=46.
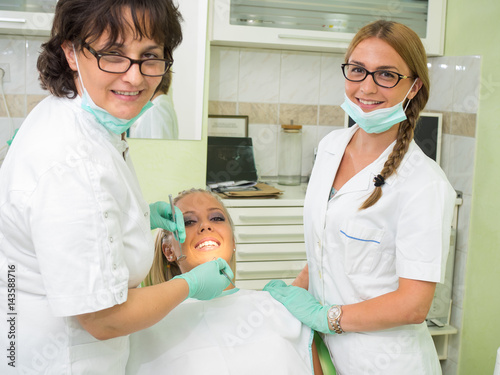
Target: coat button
x=110, y=239
x=106, y=215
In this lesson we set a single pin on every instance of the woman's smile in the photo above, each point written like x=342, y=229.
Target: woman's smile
x=207, y=244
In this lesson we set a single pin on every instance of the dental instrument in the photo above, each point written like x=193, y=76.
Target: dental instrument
x=176, y=233
x=227, y=276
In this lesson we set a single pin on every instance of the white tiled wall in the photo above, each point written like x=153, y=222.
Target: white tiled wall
x=18, y=56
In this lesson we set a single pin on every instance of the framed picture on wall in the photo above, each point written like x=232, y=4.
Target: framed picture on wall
x=227, y=126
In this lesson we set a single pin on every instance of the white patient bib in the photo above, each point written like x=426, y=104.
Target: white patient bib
x=247, y=332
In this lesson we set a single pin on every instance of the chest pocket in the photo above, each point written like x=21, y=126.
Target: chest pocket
x=362, y=247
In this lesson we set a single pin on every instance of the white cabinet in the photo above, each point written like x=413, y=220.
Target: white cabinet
x=27, y=17
x=25, y=23
x=223, y=32
x=269, y=238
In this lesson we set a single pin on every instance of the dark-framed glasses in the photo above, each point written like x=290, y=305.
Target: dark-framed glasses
x=111, y=63
x=383, y=78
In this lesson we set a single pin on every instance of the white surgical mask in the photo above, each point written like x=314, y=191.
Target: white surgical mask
x=379, y=120
x=106, y=119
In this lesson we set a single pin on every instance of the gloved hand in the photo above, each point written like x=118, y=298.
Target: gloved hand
x=9, y=142
x=301, y=304
x=206, y=281
x=161, y=217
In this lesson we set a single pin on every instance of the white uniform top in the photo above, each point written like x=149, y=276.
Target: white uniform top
x=159, y=122
x=355, y=255
x=244, y=333
x=76, y=229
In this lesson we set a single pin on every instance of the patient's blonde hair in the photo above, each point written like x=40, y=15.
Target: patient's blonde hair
x=162, y=270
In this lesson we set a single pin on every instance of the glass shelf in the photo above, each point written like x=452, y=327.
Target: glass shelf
x=38, y=6
x=345, y=16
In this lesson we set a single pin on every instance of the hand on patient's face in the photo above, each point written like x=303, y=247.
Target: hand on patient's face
x=208, y=231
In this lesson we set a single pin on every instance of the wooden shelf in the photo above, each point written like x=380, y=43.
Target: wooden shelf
x=440, y=336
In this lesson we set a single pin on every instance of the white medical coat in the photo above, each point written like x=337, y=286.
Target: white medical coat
x=158, y=122
x=355, y=255
x=244, y=333
x=74, y=225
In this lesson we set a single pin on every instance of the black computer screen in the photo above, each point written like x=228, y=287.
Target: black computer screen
x=230, y=159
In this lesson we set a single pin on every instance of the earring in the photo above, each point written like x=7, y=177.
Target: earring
x=234, y=249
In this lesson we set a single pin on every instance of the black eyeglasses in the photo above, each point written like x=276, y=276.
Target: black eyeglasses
x=119, y=64
x=383, y=78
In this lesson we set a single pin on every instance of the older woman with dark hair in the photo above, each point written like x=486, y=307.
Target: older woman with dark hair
x=75, y=238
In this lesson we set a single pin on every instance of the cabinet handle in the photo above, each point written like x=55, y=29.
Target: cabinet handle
x=13, y=20
x=287, y=237
x=267, y=218
x=274, y=254
x=317, y=38
x=274, y=274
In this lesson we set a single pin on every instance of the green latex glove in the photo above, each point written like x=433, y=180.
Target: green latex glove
x=206, y=281
x=161, y=217
x=9, y=142
x=301, y=304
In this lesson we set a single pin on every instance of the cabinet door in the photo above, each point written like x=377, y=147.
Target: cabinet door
x=268, y=270
x=258, y=284
x=225, y=33
x=25, y=23
x=251, y=252
x=269, y=234
x=266, y=215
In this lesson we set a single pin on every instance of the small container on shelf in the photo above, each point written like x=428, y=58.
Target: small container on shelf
x=290, y=154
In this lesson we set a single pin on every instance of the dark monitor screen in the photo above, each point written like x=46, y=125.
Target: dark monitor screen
x=230, y=159
x=427, y=133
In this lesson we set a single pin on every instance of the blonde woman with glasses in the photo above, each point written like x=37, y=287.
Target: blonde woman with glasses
x=377, y=216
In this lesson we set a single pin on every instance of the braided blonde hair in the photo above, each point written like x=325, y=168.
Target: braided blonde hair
x=162, y=270
x=409, y=46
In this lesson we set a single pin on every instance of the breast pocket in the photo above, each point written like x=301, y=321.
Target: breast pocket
x=362, y=247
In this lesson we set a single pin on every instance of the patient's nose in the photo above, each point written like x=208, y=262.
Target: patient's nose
x=205, y=225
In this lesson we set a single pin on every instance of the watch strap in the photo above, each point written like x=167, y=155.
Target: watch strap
x=335, y=321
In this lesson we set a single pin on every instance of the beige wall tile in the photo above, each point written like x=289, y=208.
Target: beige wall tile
x=300, y=114
x=259, y=113
x=446, y=122
x=331, y=115
x=221, y=108
x=16, y=105
x=463, y=124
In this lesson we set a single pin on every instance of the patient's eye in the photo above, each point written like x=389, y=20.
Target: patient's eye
x=217, y=216
x=189, y=220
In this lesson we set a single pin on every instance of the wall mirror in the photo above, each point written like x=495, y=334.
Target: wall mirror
x=185, y=96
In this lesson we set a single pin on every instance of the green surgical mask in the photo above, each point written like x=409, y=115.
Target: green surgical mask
x=106, y=119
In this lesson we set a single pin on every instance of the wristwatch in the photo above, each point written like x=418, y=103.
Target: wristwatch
x=334, y=316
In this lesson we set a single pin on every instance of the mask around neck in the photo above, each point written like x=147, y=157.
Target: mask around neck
x=106, y=119
x=379, y=120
